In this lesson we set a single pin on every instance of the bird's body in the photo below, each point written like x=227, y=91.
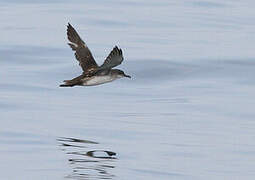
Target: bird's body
x=92, y=73
x=96, y=80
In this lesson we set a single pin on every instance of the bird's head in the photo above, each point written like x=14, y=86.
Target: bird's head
x=120, y=73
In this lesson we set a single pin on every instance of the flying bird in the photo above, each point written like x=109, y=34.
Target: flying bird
x=92, y=73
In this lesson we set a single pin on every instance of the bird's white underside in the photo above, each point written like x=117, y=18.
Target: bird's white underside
x=96, y=80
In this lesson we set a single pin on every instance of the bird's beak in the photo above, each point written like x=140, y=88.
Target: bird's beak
x=127, y=76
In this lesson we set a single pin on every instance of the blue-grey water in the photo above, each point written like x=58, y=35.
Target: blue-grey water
x=187, y=113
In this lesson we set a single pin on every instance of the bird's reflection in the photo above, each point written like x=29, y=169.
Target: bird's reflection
x=86, y=162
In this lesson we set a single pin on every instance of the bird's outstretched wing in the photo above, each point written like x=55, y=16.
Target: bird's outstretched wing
x=82, y=52
x=115, y=58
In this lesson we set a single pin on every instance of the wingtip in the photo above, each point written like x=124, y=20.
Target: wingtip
x=69, y=26
x=118, y=49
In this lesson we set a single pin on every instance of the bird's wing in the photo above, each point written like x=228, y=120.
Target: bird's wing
x=82, y=52
x=115, y=58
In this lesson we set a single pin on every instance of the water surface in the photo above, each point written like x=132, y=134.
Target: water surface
x=187, y=112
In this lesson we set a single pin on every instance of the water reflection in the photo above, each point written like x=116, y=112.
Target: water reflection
x=86, y=161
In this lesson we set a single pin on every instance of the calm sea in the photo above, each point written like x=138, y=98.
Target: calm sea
x=186, y=114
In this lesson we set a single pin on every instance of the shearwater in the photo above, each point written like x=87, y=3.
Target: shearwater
x=92, y=73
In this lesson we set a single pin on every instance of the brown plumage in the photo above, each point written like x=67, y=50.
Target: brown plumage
x=82, y=52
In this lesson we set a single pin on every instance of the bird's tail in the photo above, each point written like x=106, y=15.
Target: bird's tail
x=67, y=83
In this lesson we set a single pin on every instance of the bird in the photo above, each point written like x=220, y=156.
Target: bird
x=92, y=73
